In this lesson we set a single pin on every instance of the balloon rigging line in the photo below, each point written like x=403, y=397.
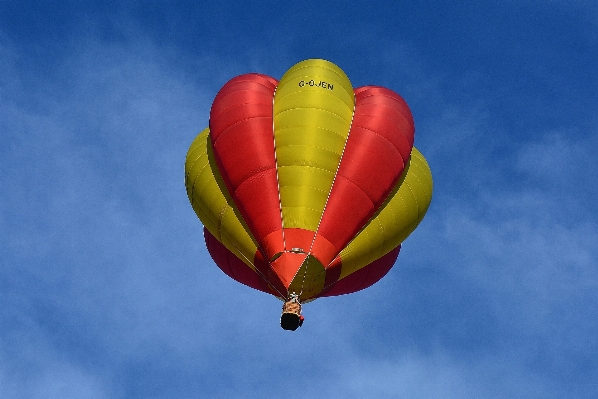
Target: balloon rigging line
x=256, y=268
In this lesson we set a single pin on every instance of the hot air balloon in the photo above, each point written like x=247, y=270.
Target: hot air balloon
x=305, y=186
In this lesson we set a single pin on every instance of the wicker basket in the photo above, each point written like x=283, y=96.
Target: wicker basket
x=291, y=315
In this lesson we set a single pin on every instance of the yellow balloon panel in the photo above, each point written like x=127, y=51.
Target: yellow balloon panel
x=301, y=217
x=304, y=190
x=308, y=175
x=313, y=110
x=314, y=135
x=312, y=118
x=307, y=155
x=424, y=177
x=313, y=97
x=298, y=195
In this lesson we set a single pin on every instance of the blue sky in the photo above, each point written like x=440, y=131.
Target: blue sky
x=107, y=290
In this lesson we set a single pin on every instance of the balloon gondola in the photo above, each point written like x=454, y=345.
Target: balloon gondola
x=305, y=186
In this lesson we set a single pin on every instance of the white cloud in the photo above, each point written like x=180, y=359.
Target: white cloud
x=107, y=275
x=440, y=376
x=49, y=377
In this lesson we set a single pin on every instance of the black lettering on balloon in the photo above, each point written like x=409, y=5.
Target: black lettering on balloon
x=313, y=83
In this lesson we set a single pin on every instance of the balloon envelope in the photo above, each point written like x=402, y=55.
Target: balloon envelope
x=306, y=185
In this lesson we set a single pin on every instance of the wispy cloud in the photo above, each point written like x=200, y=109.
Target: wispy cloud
x=108, y=291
